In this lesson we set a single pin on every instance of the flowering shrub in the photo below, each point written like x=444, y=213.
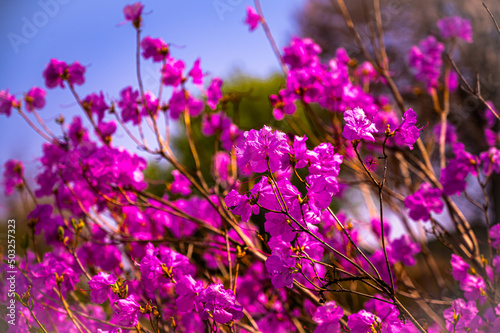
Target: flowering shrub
x=270, y=241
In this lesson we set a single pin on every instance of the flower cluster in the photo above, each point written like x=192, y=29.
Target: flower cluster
x=268, y=234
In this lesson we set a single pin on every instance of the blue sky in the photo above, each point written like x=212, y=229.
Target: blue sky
x=32, y=32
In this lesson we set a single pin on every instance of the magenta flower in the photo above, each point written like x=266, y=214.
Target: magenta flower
x=403, y=250
x=95, y=104
x=149, y=104
x=241, y=204
x=490, y=160
x=196, y=74
x=324, y=161
x=424, y=201
x=128, y=104
x=321, y=191
x=57, y=72
x=283, y=104
x=214, y=93
x=474, y=288
x=366, y=72
x=77, y=133
x=151, y=269
x=13, y=175
x=188, y=289
x=407, y=132
x=426, y=61
x=221, y=164
x=301, y=53
x=127, y=311
x=495, y=236
x=42, y=218
x=172, y=72
x=106, y=129
x=300, y=152
x=327, y=317
x=214, y=123
x=455, y=27
x=60, y=263
x=358, y=126
x=277, y=225
x=263, y=147
x=133, y=13
x=459, y=268
x=75, y=74
x=219, y=304
x=54, y=73
x=387, y=315
x=454, y=175
x=7, y=101
x=281, y=271
x=182, y=100
x=460, y=315
x=154, y=48
x=252, y=19
x=35, y=99
x=180, y=184
x=362, y=322
x=100, y=288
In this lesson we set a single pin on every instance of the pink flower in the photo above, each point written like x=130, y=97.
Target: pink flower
x=219, y=304
x=196, y=74
x=35, y=99
x=75, y=73
x=495, y=236
x=13, y=175
x=252, y=19
x=455, y=26
x=407, y=132
x=95, y=104
x=172, y=72
x=57, y=72
x=54, y=72
x=362, y=321
x=128, y=104
x=403, y=250
x=262, y=148
x=327, y=317
x=241, y=205
x=127, y=311
x=460, y=315
x=358, y=126
x=188, y=288
x=459, y=268
x=100, y=288
x=133, y=13
x=426, y=61
x=282, y=104
x=154, y=48
x=7, y=101
x=277, y=225
x=281, y=271
x=424, y=201
x=214, y=93
x=181, y=100
x=301, y=53
x=180, y=184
